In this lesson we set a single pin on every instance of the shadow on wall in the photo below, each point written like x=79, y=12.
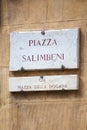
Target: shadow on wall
x=15, y=1
x=0, y=12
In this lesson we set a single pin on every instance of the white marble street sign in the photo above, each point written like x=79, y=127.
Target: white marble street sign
x=53, y=49
x=43, y=83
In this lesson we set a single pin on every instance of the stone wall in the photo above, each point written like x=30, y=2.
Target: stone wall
x=59, y=110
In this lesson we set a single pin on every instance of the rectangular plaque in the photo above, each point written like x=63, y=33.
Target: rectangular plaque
x=53, y=49
x=43, y=83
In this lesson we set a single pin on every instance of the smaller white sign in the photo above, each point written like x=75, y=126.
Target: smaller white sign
x=43, y=83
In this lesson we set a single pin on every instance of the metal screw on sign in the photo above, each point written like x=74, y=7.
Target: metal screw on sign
x=43, y=32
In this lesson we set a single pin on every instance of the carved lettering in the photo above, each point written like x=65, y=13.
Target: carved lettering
x=45, y=57
x=43, y=42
